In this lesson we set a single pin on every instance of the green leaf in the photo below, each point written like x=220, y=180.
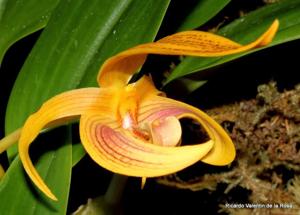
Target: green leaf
x=68, y=54
x=182, y=87
x=77, y=153
x=19, y=196
x=73, y=46
x=245, y=30
x=18, y=18
x=191, y=85
x=201, y=13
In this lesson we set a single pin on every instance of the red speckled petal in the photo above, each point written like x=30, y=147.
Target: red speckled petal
x=118, y=69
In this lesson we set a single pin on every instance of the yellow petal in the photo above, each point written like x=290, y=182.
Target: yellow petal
x=119, y=151
x=118, y=69
x=143, y=182
x=144, y=87
x=223, y=151
x=59, y=109
x=130, y=96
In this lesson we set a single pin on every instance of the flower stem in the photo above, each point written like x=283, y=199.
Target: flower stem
x=115, y=189
x=2, y=172
x=9, y=140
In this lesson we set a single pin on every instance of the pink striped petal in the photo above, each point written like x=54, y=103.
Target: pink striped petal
x=121, y=152
x=157, y=108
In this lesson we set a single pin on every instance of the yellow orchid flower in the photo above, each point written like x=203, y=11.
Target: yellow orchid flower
x=131, y=129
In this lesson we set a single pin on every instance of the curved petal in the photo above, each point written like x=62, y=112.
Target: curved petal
x=57, y=110
x=119, y=68
x=145, y=87
x=119, y=151
x=130, y=96
x=154, y=108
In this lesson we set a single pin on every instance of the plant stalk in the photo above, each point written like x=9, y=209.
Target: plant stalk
x=9, y=140
x=115, y=189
